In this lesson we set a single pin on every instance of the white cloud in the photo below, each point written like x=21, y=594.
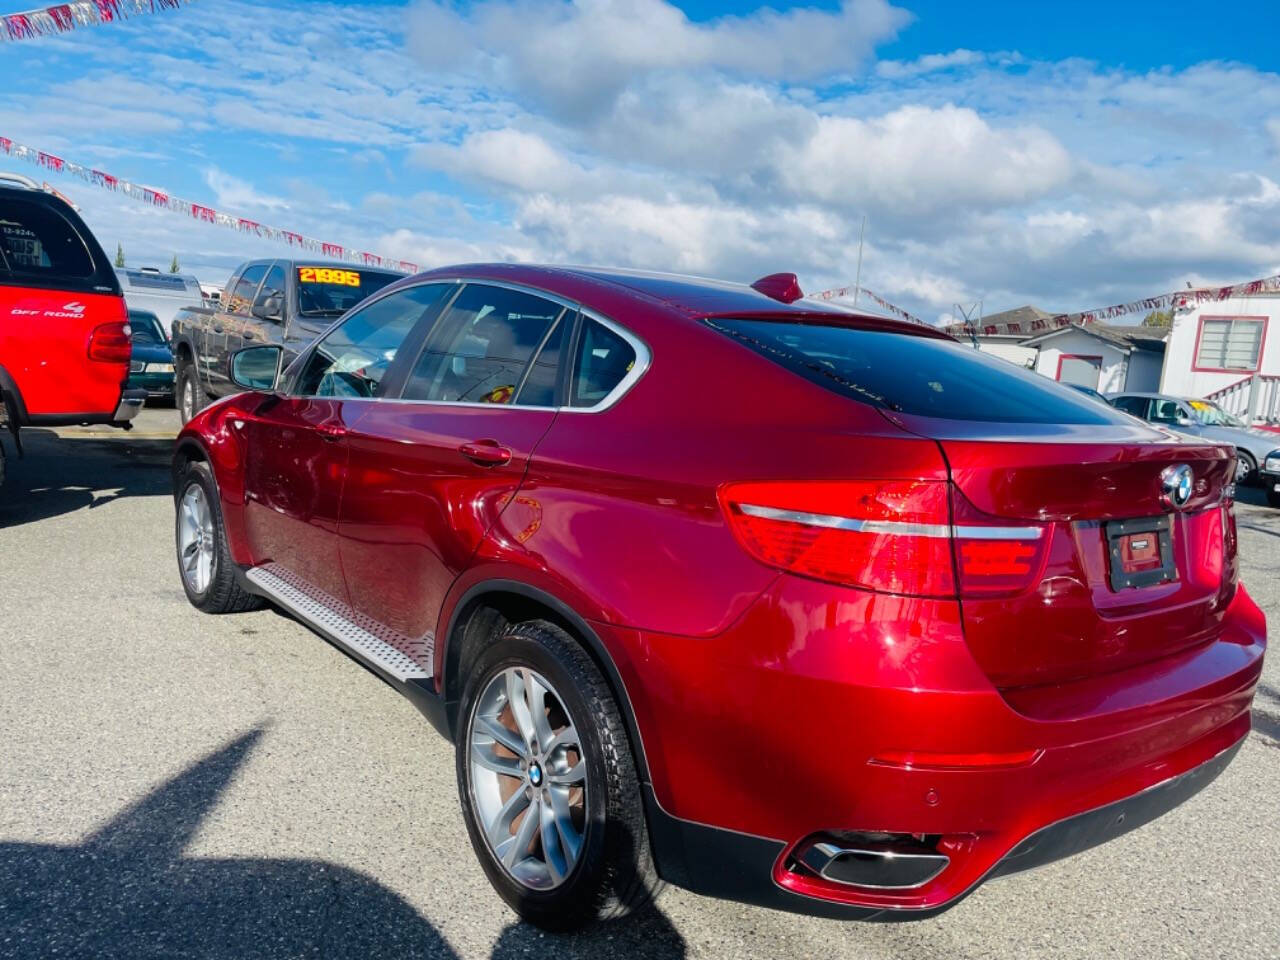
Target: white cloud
x=916, y=159
x=232, y=193
x=621, y=131
x=576, y=58
x=929, y=63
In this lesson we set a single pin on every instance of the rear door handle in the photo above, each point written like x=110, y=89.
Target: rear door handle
x=331, y=432
x=487, y=453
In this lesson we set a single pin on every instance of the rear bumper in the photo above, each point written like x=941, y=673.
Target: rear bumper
x=745, y=868
x=131, y=402
x=813, y=719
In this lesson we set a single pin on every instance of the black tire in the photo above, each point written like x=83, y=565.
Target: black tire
x=188, y=396
x=1248, y=469
x=223, y=594
x=615, y=874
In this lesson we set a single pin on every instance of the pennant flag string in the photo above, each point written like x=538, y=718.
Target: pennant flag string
x=839, y=293
x=1176, y=300
x=64, y=17
x=196, y=211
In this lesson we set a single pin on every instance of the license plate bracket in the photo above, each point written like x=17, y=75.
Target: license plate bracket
x=1141, y=552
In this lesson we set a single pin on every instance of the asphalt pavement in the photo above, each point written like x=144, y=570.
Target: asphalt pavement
x=179, y=785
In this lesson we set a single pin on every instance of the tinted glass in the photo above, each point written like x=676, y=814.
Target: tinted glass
x=1164, y=411
x=274, y=284
x=146, y=327
x=1212, y=415
x=539, y=389
x=241, y=298
x=1134, y=405
x=603, y=359
x=917, y=375
x=38, y=242
x=332, y=291
x=481, y=348
x=353, y=358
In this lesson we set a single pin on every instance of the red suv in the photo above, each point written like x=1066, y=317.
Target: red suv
x=782, y=604
x=65, y=341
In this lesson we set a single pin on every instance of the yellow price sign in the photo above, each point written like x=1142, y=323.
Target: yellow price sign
x=344, y=278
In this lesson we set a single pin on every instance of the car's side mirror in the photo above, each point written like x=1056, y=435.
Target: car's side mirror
x=268, y=306
x=256, y=368
x=1183, y=420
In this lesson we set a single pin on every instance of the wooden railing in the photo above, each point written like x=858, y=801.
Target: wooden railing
x=1254, y=399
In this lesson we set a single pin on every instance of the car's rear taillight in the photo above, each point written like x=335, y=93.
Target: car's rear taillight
x=994, y=557
x=111, y=343
x=893, y=536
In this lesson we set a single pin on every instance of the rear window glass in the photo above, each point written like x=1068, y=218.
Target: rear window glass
x=38, y=243
x=332, y=291
x=921, y=376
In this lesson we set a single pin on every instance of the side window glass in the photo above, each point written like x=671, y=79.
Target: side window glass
x=479, y=351
x=603, y=359
x=353, y=358
x=539, y=387
x=242, y=296
x=1164, y=411
x=274, y=285
x=1137, y=406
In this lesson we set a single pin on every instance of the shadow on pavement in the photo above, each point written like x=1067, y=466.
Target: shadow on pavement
x=60, y=475
x=128, y=891
x=1266, y=712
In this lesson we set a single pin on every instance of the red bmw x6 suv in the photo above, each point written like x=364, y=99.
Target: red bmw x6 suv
x=782, y=604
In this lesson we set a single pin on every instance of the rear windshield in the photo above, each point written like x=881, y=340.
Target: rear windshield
x=332, y=291
x=42, y=247
x=921, y=376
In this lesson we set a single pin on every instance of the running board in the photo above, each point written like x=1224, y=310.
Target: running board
x=335, y=627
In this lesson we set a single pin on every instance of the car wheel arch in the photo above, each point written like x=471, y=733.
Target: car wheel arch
x=11, y=397
x=477, y=618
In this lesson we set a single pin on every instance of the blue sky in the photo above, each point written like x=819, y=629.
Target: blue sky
x=1067, y=155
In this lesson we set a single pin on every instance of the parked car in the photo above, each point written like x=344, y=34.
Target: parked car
x=1269, y=476
x=64, y=333
x=797, y=607
x=1201, y=418
x=1087, y=391
x=285, y=302
x=151, y=363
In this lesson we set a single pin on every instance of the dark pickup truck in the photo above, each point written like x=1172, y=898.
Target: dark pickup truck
x=285, y=302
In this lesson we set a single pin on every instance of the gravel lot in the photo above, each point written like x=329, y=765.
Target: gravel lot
x=174, y=784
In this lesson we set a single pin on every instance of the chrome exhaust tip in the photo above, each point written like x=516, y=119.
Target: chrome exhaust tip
x=879, y=861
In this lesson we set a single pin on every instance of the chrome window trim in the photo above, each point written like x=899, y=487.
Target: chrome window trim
x=638, y=369
x=899, y=528
x=643, y=356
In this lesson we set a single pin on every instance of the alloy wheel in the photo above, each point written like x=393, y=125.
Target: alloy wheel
x=188, y=398
x=528, y=778
x=196, y=542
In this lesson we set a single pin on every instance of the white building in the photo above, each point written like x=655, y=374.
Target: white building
x=1105, y=358
x=1228, y=351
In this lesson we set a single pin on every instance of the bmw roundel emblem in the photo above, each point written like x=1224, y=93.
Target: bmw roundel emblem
x=1176, y=484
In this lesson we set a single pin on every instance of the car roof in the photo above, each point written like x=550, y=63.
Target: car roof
x=1155, y=396
x=688, y=295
